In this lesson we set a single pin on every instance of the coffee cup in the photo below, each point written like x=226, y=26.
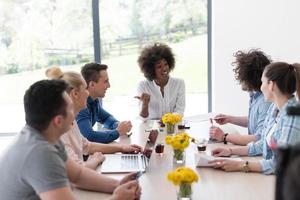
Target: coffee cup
x=159, y=148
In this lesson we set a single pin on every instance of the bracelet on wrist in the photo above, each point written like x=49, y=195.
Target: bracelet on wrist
x=224, y=139
x=245, y=167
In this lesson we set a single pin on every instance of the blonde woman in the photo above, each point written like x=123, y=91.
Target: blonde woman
x=75, y=144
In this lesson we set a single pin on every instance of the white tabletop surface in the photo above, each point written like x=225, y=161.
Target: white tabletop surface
x=213, y=184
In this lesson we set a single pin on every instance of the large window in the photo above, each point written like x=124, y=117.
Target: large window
x=36, y=34
x=127, y=26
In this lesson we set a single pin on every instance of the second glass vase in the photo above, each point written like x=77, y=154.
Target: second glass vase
x=170, y=128
x=179, y=156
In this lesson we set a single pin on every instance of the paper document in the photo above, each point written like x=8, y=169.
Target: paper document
x=203, y=159
x=200, y=118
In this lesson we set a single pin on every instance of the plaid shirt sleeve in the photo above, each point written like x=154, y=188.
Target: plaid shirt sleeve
x=256, y=148
x=268, y=166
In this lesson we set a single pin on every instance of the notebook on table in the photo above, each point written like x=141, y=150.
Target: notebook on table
x=123, y=163
x=202, y=160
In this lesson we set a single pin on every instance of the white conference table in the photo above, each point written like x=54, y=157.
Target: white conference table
x=213, y=184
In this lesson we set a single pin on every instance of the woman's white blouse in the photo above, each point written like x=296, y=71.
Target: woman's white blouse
x=173, y=100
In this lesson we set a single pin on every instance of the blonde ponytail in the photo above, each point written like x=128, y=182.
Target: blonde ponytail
x=54, y=73
x=73, y=79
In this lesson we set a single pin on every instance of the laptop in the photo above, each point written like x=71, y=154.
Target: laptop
x=124, y=163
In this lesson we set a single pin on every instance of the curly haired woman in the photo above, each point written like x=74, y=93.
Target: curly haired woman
x=160, y=93
x=248, y=71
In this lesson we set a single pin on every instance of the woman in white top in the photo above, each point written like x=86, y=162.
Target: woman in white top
x=160, y=93
x=76, y=145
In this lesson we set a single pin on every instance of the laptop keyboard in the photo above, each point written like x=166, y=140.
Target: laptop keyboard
x=129, y=162
x=132, y=162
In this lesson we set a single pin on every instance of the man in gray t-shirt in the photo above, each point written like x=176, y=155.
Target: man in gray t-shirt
x=36, y=166
x=40, y=166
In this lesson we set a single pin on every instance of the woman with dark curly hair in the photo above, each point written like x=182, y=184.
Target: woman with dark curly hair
x=248, y=71
x=160, y=93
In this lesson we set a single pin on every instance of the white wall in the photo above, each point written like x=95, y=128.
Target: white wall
x=272, y=25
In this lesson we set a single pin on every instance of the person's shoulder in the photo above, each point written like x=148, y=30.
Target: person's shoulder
x=35, y=142
x=145, y=85
x=31, y=138
x=144, y=82
x=176, y=80
x=34, y=150
x=47, y=152
x=44, y=146
x=292, y=102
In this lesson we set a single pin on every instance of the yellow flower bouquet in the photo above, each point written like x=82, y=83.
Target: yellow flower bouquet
x=179, y=142
x=170, y=119
x=183, y=177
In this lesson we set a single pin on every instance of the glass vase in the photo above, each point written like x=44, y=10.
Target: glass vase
x=184, y=191
x=170, y=128
x=179, y=156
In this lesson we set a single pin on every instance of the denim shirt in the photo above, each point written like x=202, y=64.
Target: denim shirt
x=287, y=132
x=87, y=118
x=258, y=108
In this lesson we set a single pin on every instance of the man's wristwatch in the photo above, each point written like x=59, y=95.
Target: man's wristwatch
x=246, y=167
x=224, y=138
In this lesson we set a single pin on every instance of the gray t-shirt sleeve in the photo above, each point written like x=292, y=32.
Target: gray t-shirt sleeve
x=44, y=169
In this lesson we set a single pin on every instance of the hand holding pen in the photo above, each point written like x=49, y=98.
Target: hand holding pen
x=215, y=133
x=222, y=119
